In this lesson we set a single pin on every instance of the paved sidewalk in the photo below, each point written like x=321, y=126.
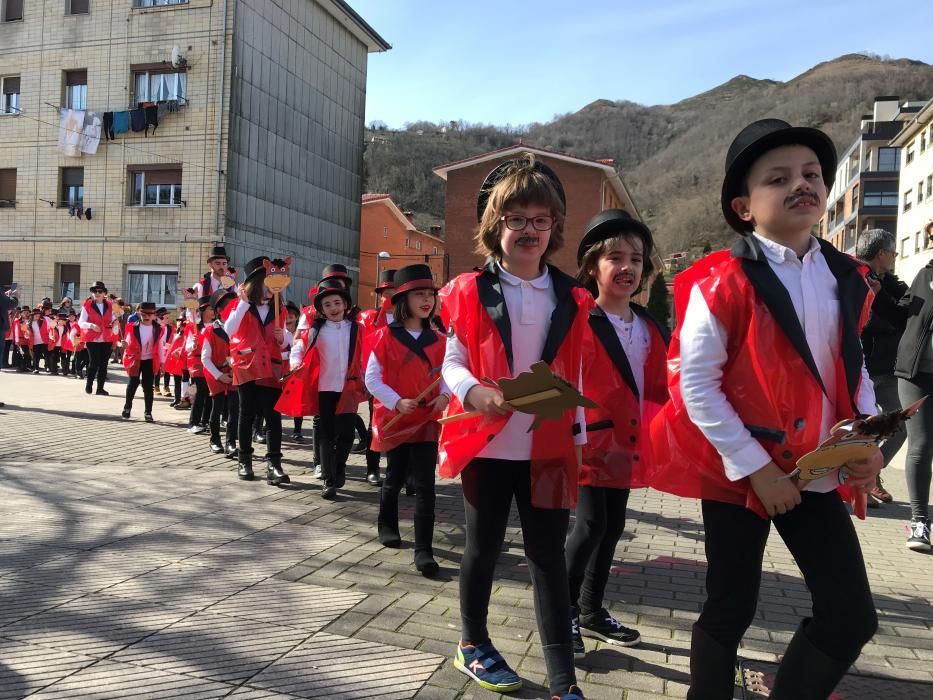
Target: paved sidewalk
x=133, y=563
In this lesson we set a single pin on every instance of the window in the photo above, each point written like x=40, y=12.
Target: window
x=910, y=154
x=9, y=86
x=904, y=244
x=434, y=250
x=6, y=274
x=917, y=238
x=908, y=200
x=920, y=192
x=855, y=194
x=69, y=280
x=923, y=142
x=156, y=283
x=159, y=85
x=8, y=187
x=72, y=187
x=385, y=231
x=408, y=243
x=889, y=159
x=76, y=89
x=880, y=194
x=155, y=186
x=12, y=10
x=158, y=3
x=417, y=245
x=930, y=186
x=77, y=7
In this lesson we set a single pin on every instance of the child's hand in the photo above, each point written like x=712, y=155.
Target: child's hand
x=439, y=405
x=279, y=335
x=241, y=292
x=777, y=495
x=406, y=406
x=225, y=379
x=863, y=473
x=488, y=401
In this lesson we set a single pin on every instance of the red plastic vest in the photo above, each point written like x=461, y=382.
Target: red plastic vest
x=217, y=341
x=469, y=310
x=105, y=323
x=413, y=365
x=766, y=378
x=193, y=358
x=132, y=352
x=254, y=350
x=175, y=360
x=617, y=453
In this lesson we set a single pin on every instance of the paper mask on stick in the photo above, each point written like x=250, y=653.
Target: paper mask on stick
x=277, y=277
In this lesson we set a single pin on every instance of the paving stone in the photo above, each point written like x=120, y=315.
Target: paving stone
x=25, y=668
x=86, y=571
x=185, y=586
x=22, y=599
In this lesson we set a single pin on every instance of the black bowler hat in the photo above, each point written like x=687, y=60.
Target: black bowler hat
x=509, y=166
x=338, y=271
x=329, y=287
x=221, y=298
x=609, y=223
x=98, y=287
x=386, y=280
x=255, y=266
x=204, y=301
x=161, y=311
x=292, y=307
x=61, y=313
x=148, y=306
x=217, y=252
x=412, y=277
x=754, y=141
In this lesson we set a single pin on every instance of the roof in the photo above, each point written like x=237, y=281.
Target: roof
x=374, y=197
x=357, y=26
x=923, y=117
x=397, y=213
x=607, y=165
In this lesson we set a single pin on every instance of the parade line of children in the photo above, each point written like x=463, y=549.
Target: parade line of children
x=764, y=360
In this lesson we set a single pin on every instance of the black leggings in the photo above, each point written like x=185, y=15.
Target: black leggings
x=144, y=377
x=100, y=355
x=592, y=544
x=202, y=404
x=261, y=400
x=919, y=443
x=488, y=488
x=822, y=540
x=81, y=360
x=218, y=411
x=416, y=461
x=40, y=352
x=233, y=416
x=336, y=431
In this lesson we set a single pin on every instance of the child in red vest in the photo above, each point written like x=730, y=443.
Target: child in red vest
x=329, y=382
x=256, y=343
x=624, y=371
x=515, y=311
x=218, y=375
x=100, y=327
x=200, y=416
x=765, y=360
x=405, y=362
x=142, y=358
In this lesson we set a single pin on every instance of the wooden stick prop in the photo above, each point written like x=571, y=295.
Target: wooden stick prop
x=851, y=440
x=277, y=279
x=539, y=392
x=417, y=399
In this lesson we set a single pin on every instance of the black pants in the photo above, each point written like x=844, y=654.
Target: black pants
x=600, y=521
x=81, y=361
x=218, y=411
x=233, y=416
x=6, y=347
x=67, y=357
x=822, y=540
x=261, y=400
x=99, y=356
x=887, y=399
x=145, y=378
x=488, y=488
x=366, y=438
x=39, y=352
x=25, y=358
x=919, y=443
x=201, y=406
x=53, y=360
x=297, y=423
x=417, y=461
x=336, y=431
x=166, y=377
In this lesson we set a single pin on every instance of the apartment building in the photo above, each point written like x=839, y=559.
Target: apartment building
x=259, y=106
x=389, y=240
x=915, y=194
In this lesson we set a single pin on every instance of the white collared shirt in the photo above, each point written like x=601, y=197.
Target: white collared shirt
x=636, y=343
x=530, y=304
x=146, y=341
x=375, y=381
x=703, y=340
x=333, y=346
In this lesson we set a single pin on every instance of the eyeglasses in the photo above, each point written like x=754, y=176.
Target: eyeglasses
x=893, y=252
x=516, y=222
x=147, y=313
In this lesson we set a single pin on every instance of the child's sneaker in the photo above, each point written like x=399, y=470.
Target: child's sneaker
x=579, y=649
x=573, y=693
x=485, y=665
x=919, y=539
x=604, y=627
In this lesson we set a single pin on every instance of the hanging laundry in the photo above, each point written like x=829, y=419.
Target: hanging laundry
x=174, y=106
x=71, y=126
x=90, y=137
x=162, y=110
x=108, y=126
x=138, y=120
x=121, y=122
x=152, y=118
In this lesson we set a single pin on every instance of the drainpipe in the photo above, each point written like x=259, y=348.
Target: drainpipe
x=221, y=178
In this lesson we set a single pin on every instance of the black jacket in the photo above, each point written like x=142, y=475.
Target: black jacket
x=6, y=305
x=916, y=309
x=882, y=333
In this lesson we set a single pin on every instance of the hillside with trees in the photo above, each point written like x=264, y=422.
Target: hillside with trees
x=669, y=156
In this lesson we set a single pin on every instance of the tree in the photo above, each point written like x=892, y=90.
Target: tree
x=658, y=303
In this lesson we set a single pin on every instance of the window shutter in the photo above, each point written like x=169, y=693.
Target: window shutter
x=11, y=86
x=79, y=7
x=163, y=177
x=8, y=183
x=73, y=177
x=75, y=77
x=13, y=10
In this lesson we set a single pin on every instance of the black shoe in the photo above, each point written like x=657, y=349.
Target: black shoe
x=102, y=392
x=389, y=536
x=231, y=450
x=259, y=437
x=424, y=562
x=358, y=448
x=297, y=438
x=275, y=475
x=126, y=414
x=579, y=648
x=409, y=490
x=88, y=389
x=148, y=418
x=604, y=627
x=216, y=448
x=245, y=467
x=919, y=540
x=35, y=371
x=374, y=479
x=329, y=492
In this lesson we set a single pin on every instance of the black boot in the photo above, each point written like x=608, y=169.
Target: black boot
x=275, y=476
x=89, y=386
x=387, y=523
x=231, y=450
x=424, y=539
x=712, y=668
x=806, y=673
x=328, y=470
x=245, y=463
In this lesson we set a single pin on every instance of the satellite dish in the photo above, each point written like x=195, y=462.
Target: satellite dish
x=178, y=59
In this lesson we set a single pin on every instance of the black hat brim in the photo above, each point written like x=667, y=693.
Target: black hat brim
x=322, y=294
x=732, y=184
x=500, y=171
x=608, y=224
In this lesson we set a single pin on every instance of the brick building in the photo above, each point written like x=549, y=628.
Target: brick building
x=590, y=187
x=387, y=229
x=262, y=151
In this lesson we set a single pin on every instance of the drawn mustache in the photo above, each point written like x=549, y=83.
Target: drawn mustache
x=794, y=198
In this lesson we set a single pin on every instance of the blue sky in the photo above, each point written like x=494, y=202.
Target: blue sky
x=510, y=62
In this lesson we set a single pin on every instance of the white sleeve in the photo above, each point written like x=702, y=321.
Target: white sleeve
x=189, y=344
x=383, y=393
x=232, y=324
x=580, y=417
x=455, y=369
x=865, y=398
x=297, y=354
x=303, y=322
x=208, y=362
x=702, y=356
x=83, y=322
